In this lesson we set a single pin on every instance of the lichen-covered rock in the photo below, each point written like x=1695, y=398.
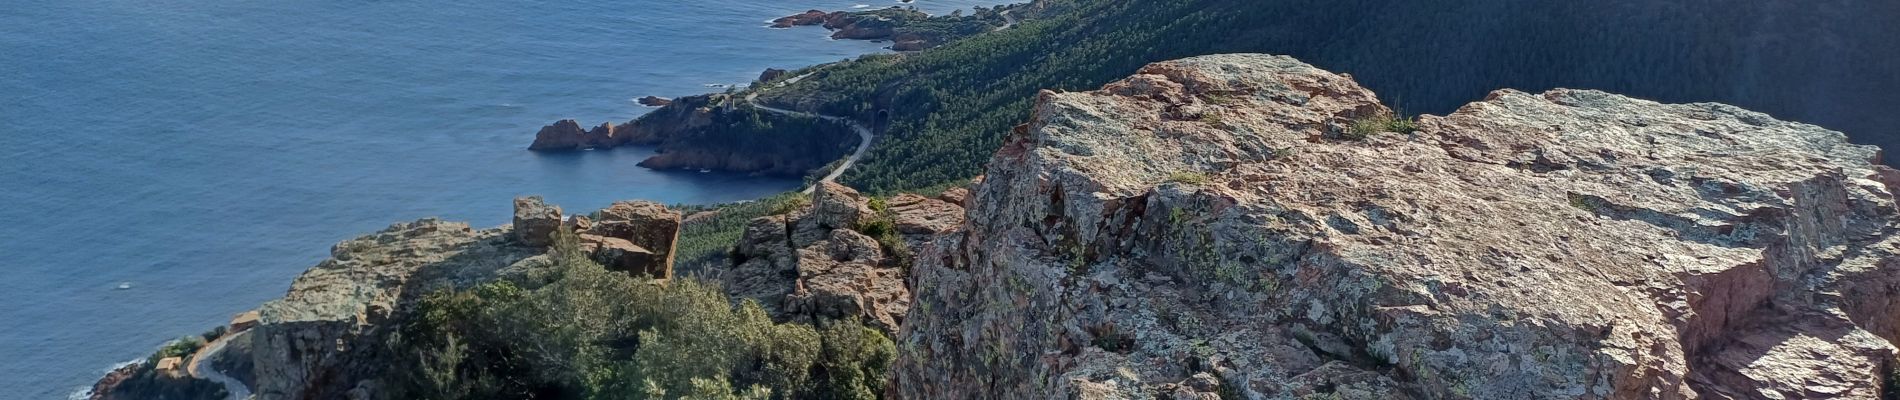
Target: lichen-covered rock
x=325, y=338
x=1205, y=227
x=535, y=221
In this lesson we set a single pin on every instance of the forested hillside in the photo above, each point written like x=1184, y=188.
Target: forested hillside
x=943, y=111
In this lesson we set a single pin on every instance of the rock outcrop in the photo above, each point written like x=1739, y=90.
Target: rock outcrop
x=1205, y=229
x=771, y=74
x=807, y=18
x=815, y=263
x=325, y=339
x=654, y=101
x=535, y=221
x=637, y=237
x=567, y=135
x=920, y=216
x=673, y=116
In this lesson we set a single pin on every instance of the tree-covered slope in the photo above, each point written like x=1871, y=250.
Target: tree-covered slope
x=943, y=111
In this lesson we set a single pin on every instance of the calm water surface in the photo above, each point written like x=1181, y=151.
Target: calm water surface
x=206, y=152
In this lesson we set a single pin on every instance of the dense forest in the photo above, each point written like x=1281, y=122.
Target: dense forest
x=941, y=112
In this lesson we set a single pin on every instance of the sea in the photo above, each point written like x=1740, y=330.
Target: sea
x=165, y=164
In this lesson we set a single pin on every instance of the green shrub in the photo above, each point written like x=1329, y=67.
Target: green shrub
x=182, y=347
x=588, y=333
x=706, y=239
x=855, y=359
x=1364, y=127
x=883, y=227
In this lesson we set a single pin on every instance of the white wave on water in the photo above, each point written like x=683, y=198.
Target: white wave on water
x=85, y=392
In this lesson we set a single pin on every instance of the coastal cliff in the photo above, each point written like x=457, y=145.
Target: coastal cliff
x=1249, y=226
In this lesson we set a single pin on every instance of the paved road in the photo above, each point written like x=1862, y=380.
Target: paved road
x=200, y=370
x=864, y=137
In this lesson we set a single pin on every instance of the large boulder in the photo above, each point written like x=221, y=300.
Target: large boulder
x=535, y=221
x=833, y=206
x=1210, y=226
x=565, y=134
x=635, y=236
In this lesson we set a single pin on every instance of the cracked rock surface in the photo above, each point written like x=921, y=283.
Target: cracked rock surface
x=1203, y=228
x=813, y=263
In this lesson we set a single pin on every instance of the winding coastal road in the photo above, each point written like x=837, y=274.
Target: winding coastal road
x=199, y=370
x=864, y=135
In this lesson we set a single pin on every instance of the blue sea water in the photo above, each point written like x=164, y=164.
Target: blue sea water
x=205, y=152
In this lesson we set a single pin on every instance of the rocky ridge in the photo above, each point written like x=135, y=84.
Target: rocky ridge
x=1208, y=229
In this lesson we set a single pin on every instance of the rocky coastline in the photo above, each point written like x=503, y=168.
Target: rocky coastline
x=906, y=28
x=1250, y=226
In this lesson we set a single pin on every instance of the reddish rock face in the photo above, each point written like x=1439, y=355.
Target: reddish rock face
x=562, y=135
x=567, y=134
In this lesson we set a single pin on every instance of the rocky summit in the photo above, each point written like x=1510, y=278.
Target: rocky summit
x=1249, y=226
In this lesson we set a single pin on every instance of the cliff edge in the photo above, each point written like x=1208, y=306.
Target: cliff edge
x=1249, y=225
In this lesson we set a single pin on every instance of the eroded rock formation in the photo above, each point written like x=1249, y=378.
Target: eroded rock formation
x=535, y=221
x=1204, y=228
x=637, y=237
x=815, y=263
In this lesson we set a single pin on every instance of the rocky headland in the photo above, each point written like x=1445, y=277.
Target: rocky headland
x=907, y=28
x=713, y=132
